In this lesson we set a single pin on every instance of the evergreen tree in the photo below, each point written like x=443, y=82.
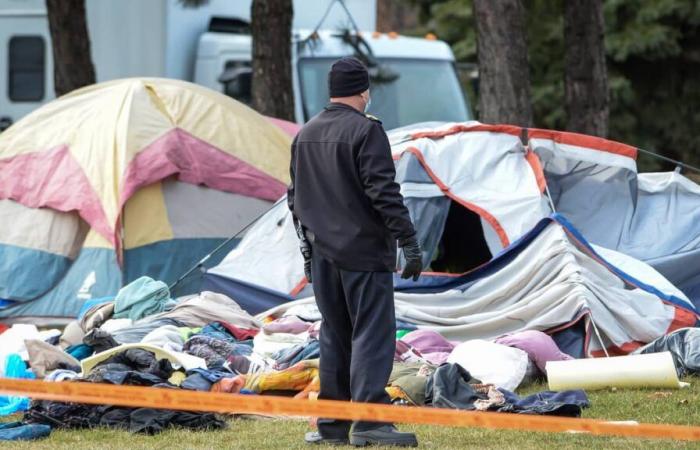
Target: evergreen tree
x=653, y=60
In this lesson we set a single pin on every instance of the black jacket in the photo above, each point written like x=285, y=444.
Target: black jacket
x=343, y=190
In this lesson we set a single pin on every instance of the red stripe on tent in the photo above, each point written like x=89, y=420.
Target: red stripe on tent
x=582, y=140
x=290, y=128
x=614, y=350
x=197, y=162
x=54, y=179
x=682, y=318
x=507, y=129
x=300, y=285
x=446, y=190
x=534, y=161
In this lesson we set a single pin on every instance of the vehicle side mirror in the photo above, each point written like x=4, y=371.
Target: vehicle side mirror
x=5, y=123
x=469, y=75
x=236, y=81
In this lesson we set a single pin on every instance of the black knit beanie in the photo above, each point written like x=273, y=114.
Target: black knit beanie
x=348, y=77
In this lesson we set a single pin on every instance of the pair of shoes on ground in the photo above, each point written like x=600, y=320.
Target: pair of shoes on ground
x=385, y=435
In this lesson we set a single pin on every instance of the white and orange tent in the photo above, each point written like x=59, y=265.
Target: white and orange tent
x=126, y=178
x=521, y=229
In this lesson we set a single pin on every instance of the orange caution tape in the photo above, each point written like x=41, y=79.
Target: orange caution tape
x=149, y=397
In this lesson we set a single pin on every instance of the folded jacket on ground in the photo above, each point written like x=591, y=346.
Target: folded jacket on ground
x=141, y=298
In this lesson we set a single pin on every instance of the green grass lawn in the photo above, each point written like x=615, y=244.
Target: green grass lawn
x=654, y=406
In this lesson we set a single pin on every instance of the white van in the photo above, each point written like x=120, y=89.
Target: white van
x=414, y=79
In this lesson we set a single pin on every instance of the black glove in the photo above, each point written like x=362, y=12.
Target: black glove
x=305, y=248
x=414, y=258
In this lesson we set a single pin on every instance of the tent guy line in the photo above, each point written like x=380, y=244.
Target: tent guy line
x=208, y=256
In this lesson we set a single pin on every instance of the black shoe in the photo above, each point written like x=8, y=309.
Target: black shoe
x=386, y=435
x=314, y=437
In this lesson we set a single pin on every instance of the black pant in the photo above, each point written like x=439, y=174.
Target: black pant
x=358, y=338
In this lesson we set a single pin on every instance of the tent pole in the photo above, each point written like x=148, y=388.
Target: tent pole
x=667, y=159
x=549, y=197
x=595, y=330
x=206, y=258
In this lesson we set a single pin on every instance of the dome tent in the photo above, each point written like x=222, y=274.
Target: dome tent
x=536, y=270
x=126, y=178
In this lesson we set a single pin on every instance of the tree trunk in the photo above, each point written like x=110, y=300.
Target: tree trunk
x=72, y=62
x=396, y=15
x=504, y=77
x=586, y=75
x=271, y=28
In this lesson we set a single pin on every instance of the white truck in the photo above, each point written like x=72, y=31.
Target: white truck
x=414, y=79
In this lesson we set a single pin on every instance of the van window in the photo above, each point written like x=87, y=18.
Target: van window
x=403, y=100
x=236, y=79
x=27, y=68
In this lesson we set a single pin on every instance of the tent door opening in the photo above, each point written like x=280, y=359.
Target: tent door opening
x=462, y=246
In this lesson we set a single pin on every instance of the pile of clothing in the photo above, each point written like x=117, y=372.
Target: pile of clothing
x=134, y=366
x=206, y=342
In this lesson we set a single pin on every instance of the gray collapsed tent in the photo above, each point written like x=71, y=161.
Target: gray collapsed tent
x=503, y=215
x=654, y=217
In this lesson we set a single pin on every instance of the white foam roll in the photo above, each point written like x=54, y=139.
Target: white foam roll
x=654, y=370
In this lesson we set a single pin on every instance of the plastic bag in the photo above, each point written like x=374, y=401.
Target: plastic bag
x=15, y=367
x=684, y=345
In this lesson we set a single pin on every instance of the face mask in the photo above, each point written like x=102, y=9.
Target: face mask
x=369, y=102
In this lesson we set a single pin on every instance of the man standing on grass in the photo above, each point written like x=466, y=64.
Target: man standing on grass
x=349, y=215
